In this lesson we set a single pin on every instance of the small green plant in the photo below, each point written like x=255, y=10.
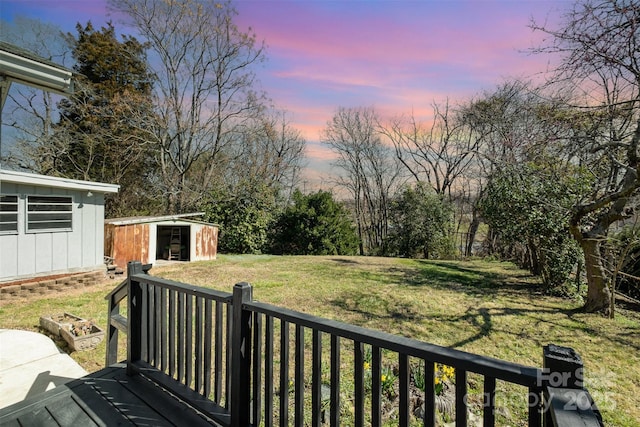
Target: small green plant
x=387, y=379
x=417, y=372
x=443, y=374
x=366, y=357
x=366, y=366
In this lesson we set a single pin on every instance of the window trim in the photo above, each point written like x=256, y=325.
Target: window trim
x=27, y=214
x=17, y=214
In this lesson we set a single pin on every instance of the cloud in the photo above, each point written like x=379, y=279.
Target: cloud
x=396, y=56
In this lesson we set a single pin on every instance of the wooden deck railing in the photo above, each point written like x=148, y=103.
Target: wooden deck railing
x=242, y=362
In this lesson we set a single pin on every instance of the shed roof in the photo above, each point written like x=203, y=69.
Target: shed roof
x=55, y=182
x=161, y=218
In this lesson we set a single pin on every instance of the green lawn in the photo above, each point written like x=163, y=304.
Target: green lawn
x=489, y=308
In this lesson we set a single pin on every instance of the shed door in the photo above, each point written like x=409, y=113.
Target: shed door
x=173, y=242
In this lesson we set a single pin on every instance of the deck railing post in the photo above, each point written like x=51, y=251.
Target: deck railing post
x=563, y=366
x=134, y=313
x=241, y=357
x=566, y=399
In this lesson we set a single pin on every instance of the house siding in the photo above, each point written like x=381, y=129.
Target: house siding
x=26, y=253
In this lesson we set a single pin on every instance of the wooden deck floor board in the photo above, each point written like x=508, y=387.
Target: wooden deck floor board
x=107, y=398
x=72, y=414
x=174, y=411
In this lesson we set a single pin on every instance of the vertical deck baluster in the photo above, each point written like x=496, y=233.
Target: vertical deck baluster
x=151, y=324
x=429, y=419
x=461, y=397
x=284, y=373
x=268, y=372
x=181, y=336
x=157, y=325
x=188, y=357
x=403, y=374
x=164, y=331
x=207, y=348
x=227, y=357
x=358, y=380
x=334, y=415
x=316, y=379
x=198, y=346
x=113, y=310
x=144, y=327
x=217, y=368
x=535, y=404
x=299, y=377
x=257, y=369
x=488, y=415
x=376, y=387
x=241, y=363
x=172, y=333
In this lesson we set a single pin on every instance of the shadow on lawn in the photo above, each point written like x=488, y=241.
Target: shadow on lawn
x=346, y=261
x=470, y=280
x=369, y=305
x=480, y=321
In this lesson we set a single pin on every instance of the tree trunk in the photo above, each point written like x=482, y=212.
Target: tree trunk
x=535, y=266
x=599, y=290
x=473, y=229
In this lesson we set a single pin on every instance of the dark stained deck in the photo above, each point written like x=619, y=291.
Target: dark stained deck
x=105, y=398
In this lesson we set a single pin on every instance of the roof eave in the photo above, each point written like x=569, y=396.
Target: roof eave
x=27, y=70
x=161, y=218
x=56, y=182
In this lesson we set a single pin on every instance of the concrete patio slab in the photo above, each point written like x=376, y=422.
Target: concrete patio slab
x=31, y=363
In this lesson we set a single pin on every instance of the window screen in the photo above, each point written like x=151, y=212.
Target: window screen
x=8, y=214
x=49, y=213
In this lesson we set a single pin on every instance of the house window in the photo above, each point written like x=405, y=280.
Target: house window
x=8, y=214
x=49, y=213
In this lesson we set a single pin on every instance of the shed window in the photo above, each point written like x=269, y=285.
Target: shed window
x=8, y=214
x=49, y=213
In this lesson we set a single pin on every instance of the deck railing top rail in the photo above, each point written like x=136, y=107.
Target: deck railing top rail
x=512, y=372
x=197, y=291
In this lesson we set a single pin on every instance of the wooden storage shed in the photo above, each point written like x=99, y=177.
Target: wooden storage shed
x=153, y=238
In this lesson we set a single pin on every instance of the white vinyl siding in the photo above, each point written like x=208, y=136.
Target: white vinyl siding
x=49, y=213
x=8, y=214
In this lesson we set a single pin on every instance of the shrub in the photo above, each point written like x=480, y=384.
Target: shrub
x=314, y=224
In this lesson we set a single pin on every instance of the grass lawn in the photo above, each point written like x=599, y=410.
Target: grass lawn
x=489, y=308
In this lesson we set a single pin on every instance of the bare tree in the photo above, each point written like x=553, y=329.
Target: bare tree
x=439, y=153
x=371, y=173
x=271, y=152
x=204, y=89
x=599, y=44
x=443, y=155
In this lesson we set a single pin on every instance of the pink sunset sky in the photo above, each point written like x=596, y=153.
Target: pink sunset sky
x=397, y=56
